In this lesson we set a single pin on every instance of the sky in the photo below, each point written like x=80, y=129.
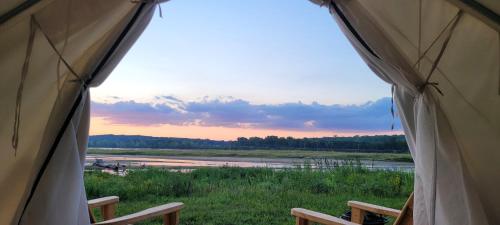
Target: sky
x=221, y=69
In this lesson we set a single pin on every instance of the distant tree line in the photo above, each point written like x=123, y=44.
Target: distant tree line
x=377, y=143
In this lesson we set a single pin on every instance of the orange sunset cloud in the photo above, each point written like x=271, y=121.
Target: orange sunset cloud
x=100, y=125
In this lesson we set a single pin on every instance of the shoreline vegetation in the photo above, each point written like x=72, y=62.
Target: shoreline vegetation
x=237, y=196
x=372, y=144
x=267, y=153
x=257, y=195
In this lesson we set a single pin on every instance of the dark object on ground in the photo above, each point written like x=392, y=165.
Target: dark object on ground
x=370, y=218
x=101, y=164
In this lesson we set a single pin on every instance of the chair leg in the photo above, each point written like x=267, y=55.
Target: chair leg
x=357, y=215
x=108, y=211
x=92, y=216
x=301, y=221
x=171, y=218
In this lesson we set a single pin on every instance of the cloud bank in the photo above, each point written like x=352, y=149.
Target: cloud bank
x=371, y=116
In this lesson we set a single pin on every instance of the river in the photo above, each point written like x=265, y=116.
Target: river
x=190, y=162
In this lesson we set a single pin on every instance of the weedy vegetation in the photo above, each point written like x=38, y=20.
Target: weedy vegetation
x=237, y=196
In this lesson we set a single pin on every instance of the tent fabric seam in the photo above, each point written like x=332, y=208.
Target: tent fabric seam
x=349, y=26
x=434, y=117
x=419, y=33
x=480, y=8
x=115, y=44
x=68, y=22
x=414, y=83
x=51, y=152
x=16, y=10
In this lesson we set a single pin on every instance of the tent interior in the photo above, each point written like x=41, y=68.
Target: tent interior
x=441, y=56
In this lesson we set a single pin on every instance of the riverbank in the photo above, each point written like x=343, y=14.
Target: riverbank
x=294, y=154
x=229, y=195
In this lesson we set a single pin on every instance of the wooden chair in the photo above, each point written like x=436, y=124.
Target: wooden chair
x=358, y=210
x=170, y=212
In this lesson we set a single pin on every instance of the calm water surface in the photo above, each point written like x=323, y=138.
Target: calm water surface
x=195, y=162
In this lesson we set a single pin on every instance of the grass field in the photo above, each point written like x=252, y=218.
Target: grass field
x=236, y=196
x=398, y=157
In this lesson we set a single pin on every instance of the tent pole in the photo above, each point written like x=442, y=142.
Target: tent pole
x=479, y=11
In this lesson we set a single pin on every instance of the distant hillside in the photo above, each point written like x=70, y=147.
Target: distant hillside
x=378, y=143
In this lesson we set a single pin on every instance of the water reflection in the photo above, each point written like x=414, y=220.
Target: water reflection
x=114, y=164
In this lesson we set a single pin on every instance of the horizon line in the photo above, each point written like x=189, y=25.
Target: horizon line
x=271, y=135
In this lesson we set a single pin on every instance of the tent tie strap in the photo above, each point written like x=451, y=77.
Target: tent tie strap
x=61, y=58
x=159, y=8
x=435, y=85
x=34, y=25
x=427, y=82
x=19, y=97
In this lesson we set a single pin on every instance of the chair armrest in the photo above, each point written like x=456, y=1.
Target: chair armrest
x=373, y=208
x=305, y=217
x=107, y=206
x=95, y=203
x=170, y=213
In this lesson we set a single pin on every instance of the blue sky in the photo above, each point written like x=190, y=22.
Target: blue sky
x=261, y=52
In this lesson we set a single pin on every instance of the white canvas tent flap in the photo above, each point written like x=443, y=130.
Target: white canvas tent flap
x=454, y=137
x=51, y=51
x=41, y=179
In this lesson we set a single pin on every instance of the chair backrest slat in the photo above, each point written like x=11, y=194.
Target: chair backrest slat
x=406, y=216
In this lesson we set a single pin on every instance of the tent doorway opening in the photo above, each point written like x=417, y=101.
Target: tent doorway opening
x=254, y=67
x=441, y=58
x=230, y=100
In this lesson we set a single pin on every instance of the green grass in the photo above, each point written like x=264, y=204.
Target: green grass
x=237, y=196
x=399, y=157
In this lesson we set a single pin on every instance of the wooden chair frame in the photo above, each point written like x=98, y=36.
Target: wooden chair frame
x=358, y=211
x=170, y=212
